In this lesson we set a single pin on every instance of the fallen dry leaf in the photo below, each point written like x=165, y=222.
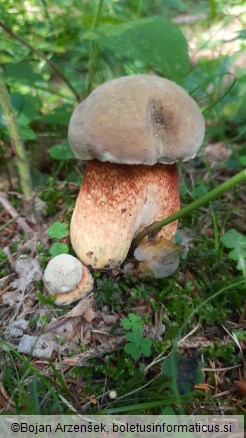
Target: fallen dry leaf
x=83, y=308
x=28, y=270
x=11, y=298
x=241, y=386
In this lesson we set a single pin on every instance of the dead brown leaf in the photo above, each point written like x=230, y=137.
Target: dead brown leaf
x=241, y=387
x=84, y=308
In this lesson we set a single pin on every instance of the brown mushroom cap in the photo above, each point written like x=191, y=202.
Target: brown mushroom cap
x=139, y=119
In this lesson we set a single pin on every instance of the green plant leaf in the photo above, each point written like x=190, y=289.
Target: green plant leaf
x=61, y=151
x=233, y=239
x=154, y=41
x=170, y=364
x=27, y=133
x=146, y=347
x=184, y=372
x=237, y=241
x=135, y=319
x=74, y=177
x=58, y=116
x=168, y=411
x=242, y=160
x=133, y=322
x=58, y=248
x=21, y=72
x=199, y=191
x=126, y=323
x=135, y=336
x=134, y=350
x=58, y=230
x=27, y=107
x=199, y=374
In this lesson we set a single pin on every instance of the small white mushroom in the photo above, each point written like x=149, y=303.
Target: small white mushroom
x=112, y=395
x=67, y=279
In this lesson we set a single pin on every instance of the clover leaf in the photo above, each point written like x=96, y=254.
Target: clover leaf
x=132, y=322
x=236, y=241
x=138, y=345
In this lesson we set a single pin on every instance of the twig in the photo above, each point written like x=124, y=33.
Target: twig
x=68, y=404
x=9, y=222
x=215, y=370
x=221, y=394
x=189, y=334
x=16, y=142
x=12, y=212
x=41, y=55
x=82, y=358
x=215, y=193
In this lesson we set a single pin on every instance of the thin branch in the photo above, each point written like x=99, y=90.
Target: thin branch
x=41, y=55
x=219, y=370
x=215, y=193
x=16, y=142
x=12, y=212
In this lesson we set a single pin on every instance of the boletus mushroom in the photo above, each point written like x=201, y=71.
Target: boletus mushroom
x=133, y=129
x=67, y=279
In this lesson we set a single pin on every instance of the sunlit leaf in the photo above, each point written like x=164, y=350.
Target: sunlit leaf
x=27, y=133
x=22, y=73
x=155, y=41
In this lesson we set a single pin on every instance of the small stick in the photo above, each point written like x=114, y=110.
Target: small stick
x=13, y=213
x=9, y=222
x=215, y=370
x=16, y=142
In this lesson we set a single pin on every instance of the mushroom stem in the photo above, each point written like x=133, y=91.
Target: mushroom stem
x=237, y=179
x=115, y=203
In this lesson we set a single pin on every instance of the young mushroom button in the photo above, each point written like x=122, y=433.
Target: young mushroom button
x=67, y=279
x=133, y=129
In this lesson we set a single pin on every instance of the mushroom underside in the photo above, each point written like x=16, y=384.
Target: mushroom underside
x=115, y=203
